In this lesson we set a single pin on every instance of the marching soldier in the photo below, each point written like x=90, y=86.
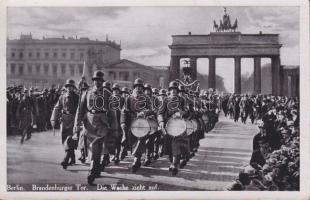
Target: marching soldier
x=24, y=114
x=116, y=102
x=93, y=113
x=136, y=105
x=174, y=146
x=65, y=110
x=124, y=142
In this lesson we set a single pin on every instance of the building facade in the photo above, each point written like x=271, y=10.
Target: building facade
x=50, y=61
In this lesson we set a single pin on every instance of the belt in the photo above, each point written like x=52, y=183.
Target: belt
x=67, y=112
x=97, y=111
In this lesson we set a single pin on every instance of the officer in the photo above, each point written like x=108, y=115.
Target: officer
x=136, y=105
x=65, y=109
x=116, y=103
x=93, y=112
x=24, y=114
x=174, y=105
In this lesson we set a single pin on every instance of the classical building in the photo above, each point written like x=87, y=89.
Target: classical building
x=50, y=61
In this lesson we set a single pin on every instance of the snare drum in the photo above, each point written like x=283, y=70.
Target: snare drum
x=140, y=127
x=195, y=124
x=189, y=127
x=176, y=126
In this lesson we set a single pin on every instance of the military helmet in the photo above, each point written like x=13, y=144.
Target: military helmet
x=98, y=75
x=173, y=84
x=31, y=89
x=181, y=88
x=138, y=82
x=70, y=82
x=125, y=90
x=107, y=85
x=162, y=92
x=147, y=86
x=116, y=87
x=155, y=91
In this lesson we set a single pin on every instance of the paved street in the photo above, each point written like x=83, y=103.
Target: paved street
x=221, y=155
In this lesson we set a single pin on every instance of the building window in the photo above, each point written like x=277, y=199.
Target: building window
x=30, y=68
x=64, y=55
x=30, y=54
x=112, y=75
x=55, y=55
x=46, y=69
x=13, y=55
x=81, y=56
x=46, y=54
x=72, y=69
x=71, y=55
x=21, y=55
x=21, y=69
x=63, y=69
x=124, y=76
x=38, y=68
x=81, y=69
x=38, y=54
x=13, y=66
x=55, y=69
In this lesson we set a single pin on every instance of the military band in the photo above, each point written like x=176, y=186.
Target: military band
x=146, y=122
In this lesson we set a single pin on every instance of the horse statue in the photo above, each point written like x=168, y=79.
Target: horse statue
x=235, y=26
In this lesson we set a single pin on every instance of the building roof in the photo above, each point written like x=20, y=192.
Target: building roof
x=27, y=39
x=127, y=64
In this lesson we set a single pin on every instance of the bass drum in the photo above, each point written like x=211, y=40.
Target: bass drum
x=189, y=127
x=140, y=127
x=176, y=127
x=153, y=126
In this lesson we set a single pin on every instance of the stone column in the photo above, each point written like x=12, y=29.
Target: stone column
x=237, y=75
x=193, y=66
x=257, y=75
x=174, y=70
x=212, y=76
x=275, y=71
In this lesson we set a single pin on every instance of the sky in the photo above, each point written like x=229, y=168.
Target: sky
x=145, y=32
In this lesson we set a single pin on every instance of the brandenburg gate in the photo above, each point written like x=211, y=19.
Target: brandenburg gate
x=226, y=43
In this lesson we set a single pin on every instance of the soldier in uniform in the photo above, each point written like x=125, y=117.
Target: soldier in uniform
x=124, y=142
x=136, y=105
x=24, y=114
x=93, y=112
x=174, y=146
x=116, y=102
x=65, y=110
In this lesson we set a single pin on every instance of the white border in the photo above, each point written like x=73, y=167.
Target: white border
x=304, y=92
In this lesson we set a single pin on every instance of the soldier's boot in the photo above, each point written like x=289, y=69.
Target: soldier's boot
x=136, y=164
x=65, y=161
x=117, y=158
x=175, y=169
x=105, y=162
x=156, y=150
x=23, y=137
x=171, y=163
x=147, y=161
x=184, y=161
x=94, y=172
x=123, y=152
x=72, y=157
x=83, y=157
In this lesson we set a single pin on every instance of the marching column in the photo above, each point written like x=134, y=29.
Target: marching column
x=212, y=72
x=257, y=75
x=174, y=68
x=193, y=66
x=275, y=71
x=237, y=75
